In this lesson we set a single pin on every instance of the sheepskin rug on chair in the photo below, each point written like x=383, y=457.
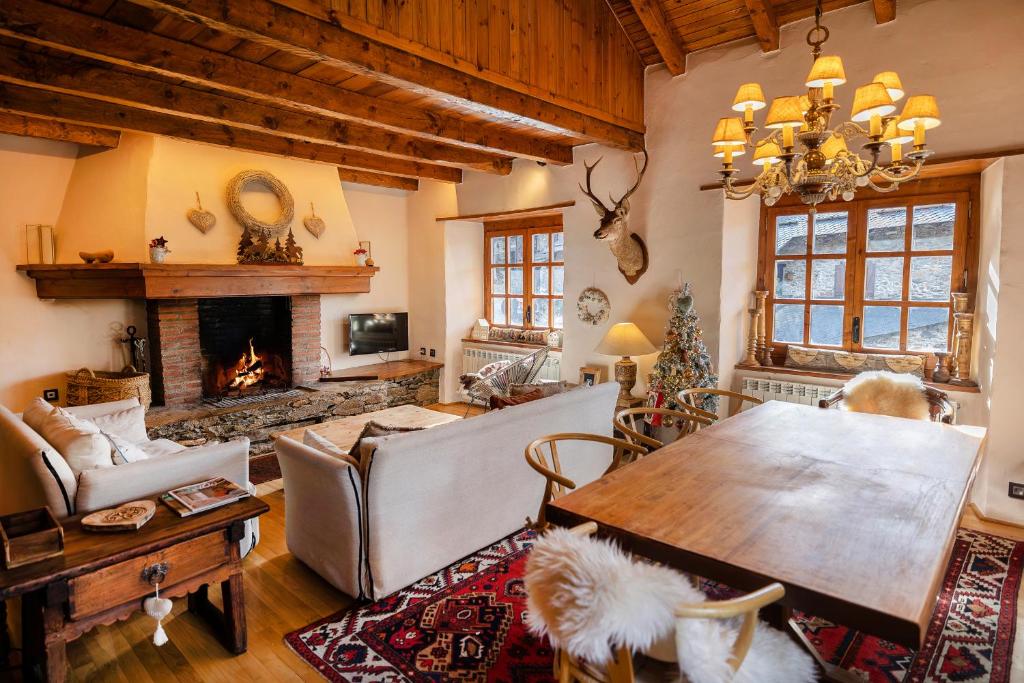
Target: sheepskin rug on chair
x=886, y=393
x=589, y=598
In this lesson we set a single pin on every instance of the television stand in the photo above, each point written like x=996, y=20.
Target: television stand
x=395, y=369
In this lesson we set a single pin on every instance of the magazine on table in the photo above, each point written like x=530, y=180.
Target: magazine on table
x=202, y=496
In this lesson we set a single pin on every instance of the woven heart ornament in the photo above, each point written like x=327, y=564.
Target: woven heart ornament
x=202, y=220
x=314, y=224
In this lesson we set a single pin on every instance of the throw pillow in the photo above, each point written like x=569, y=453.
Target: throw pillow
x=123, y=451
x=129, y=424
x=63, y=479
x=499, y=402
x=374, y=429
x=317, y=442
x=35, y=413
x=78, y=441
x=546, y=388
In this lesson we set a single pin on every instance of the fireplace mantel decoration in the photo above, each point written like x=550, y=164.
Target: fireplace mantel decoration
x=257, y=227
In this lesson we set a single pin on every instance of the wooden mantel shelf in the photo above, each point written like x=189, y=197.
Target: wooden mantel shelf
x=193, y=281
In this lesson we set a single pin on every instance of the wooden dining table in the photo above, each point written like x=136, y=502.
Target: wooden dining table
x=855, y=514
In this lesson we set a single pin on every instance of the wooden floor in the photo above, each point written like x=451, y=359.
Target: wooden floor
x=281, y=596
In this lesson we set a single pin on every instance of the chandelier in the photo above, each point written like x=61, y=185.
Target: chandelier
x=823, y=166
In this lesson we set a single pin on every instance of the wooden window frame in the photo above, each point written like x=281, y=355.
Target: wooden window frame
x=964, y=190
x=527, y=228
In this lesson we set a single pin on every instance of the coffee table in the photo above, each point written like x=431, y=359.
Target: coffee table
x=344, y=431
x=104, y=577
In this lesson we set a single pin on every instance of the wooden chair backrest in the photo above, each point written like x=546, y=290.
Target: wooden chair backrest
x=688, y=396
x=940, y=409
x=630, y=421
x=569, y=669
x=542, y=456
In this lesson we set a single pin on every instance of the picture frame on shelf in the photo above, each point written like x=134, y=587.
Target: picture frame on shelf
x=591, y=375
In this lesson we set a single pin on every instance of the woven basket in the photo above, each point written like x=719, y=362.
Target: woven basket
x=86, y=387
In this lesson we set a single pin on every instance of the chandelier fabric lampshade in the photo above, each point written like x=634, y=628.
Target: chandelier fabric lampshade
x=625, y=340
x=920, y=108
x=894, y=136
x=736, y=150
x=827, y=69
x=785, y=112
x=729, y=132
x=833, y=146
x=768, y=153
x=749, y=95
x=892, y=83
x=871, y=100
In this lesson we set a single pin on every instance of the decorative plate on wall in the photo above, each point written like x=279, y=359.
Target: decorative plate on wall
x=593, y=306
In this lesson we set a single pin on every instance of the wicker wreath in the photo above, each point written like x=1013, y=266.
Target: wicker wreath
x=268, y=180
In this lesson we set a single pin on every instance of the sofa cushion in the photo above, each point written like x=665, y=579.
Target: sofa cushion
x=36, y=413
x=326, y=446
x=78, y=441
x=129, y=424
x=58, y=481
x=160, y=447
x=499, y=402
x=546, y=388
x=123, y=451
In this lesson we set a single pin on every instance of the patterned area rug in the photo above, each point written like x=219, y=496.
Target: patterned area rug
x=465, y=623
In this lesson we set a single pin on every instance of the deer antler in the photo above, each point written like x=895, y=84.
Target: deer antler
x=639, y=177
x=586, y=190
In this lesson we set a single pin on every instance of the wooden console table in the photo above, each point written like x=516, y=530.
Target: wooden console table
x=99, y=579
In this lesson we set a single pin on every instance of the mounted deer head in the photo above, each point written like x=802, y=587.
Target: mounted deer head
x=627, y=247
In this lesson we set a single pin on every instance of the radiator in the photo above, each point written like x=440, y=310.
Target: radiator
x=474, y=358
x=790, y=392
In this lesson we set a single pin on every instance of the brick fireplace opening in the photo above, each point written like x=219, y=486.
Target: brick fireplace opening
x=200, y=348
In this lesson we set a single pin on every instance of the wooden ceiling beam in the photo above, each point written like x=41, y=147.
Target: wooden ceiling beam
x=766, y=24
x=135, y=90
x=885, y=10
x=32, y=127
x=63, y=107
x=349, y=175
x=88, y=36
x=662, y=34
x=293, y=32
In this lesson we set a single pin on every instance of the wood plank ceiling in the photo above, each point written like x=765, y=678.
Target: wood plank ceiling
x=389, y=91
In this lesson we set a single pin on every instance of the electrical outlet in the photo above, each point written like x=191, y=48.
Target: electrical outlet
x=423, y=350
x=1016, y=490
x=433, y=353
x=51, y=395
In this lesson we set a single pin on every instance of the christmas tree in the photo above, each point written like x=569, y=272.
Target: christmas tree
x=684, y=361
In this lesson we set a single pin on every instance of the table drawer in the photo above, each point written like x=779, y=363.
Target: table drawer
x=123, y=582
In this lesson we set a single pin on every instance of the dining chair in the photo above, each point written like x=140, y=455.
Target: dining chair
x=542, y=456
x=894, y=394
x=630, y=421
x=690, y=398
x=599, y=606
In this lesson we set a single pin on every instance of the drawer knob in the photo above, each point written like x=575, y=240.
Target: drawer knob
x=155, y=574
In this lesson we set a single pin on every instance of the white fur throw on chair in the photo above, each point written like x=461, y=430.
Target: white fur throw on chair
x=589, y=598
x=886, y=393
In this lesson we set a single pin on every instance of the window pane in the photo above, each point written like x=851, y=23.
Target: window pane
x=497, y=250
x=515, y=249
x=556, y=313
x=830, y=233
x=927, y=329
x=790, y=279
x=882, y=327
x=827, y=325
x=515, y=280
x=540, y=279
x=788, y=323
x=515, y=310
x=557, y=279
x=540, y=248
x=498, y=310
x=791, y=235
x=497, y=280
x=557, y=246
x=929, y=278
x=887, y=229
x=540, y=312
x=883, y=279
x=828, y=279
x=933, y=227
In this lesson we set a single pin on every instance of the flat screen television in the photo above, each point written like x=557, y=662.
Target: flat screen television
x=377, y=333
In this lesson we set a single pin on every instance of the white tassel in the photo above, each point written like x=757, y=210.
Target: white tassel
x=158, y=608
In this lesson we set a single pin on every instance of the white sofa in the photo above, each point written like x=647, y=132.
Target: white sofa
x=33, y=474
x=430, y=497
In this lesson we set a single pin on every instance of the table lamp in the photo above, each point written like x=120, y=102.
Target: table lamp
x=625, y=339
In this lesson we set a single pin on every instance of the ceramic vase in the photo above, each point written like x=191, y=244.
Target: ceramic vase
x=158, y=254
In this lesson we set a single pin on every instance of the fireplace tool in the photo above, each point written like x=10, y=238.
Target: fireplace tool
x=136, y=349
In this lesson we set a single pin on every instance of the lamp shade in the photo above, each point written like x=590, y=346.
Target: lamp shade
x=768, y=153
x=625, y=339
x=871, y=100
x=805, y=104
x=737, y=150
x=749, y=95
x=892, y=83
x=921, y=108
x=894, y=136
x=784, y=112
x=826, y=69
x=833, y=146
x=729, y=132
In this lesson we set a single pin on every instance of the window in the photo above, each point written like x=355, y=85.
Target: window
x=871, y=275
x=525, y=273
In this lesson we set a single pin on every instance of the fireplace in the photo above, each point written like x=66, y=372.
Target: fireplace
x=224, y=347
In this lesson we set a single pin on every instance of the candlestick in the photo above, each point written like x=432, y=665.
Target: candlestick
x=751, y=359
x=919, y=133
x=875, y=126
x=787, y=137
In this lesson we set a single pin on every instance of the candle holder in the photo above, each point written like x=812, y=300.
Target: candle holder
x=941, y=372
x=760, y=298
x=751, y=359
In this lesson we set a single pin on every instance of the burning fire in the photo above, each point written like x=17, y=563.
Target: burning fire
x=249, y=369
